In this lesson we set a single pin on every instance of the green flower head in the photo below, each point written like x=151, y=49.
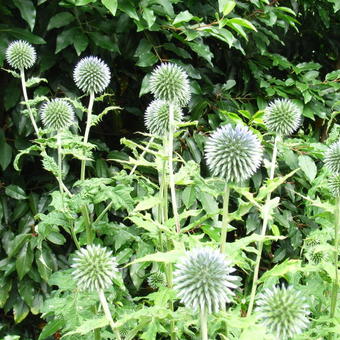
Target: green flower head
x=334, y=185
x=57, y=114
x=332, y=158
x=20, y=55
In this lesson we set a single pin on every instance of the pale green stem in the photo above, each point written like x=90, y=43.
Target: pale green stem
x=97, y=334
x=142, y=154
x=23, y=84
x=87, y=132
x=263, y=230
x=204, y=323
x=87, y=221
x=225, y=218
x=171, y=167
x=334, y=294
x=60, y=176
x=107, y=313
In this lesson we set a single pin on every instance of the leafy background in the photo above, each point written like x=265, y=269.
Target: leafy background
x=239, y=55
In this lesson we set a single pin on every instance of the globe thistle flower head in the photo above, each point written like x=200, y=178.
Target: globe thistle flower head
x=334, y=185
x=203, y=281
x=94, y=268
x=283, y=311
x=20, y=55
x=57, y=114
x=234, y=153
x=282, y=117
x=332, y=158
x=91, y=74
x=157, y=117
x=170, y=82
x=156, y=280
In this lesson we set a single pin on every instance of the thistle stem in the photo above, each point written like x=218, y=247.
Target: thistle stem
x=171, y=168
x=23, y=84
x=142, y=154
x=204, y=323
x=225, y=218
x=263, y=230
x=335, y=286
x=107, y=313
x=60, y=177
x=87, y=132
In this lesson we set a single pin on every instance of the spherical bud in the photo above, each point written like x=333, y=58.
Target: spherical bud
x=91, y=74
x=156, y=280
x=334, y=185
x=20, y=55
x=283, y=311
x=94, y=268
x=234, y=153
x=282, y=117
x=157, y=117
x=57, y=114
x=332, y=158
x=202, y=280
x=170, y=82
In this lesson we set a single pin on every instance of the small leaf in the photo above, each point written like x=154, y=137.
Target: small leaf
x=226, y=6
x=59, y=20
x=149, y=16
x=15, y=192
x=184, y=16
x=51, y=328
x=147, y=203
x=243, y=22
x=308, y=166
x=89, y=325
x=27, y=11
x=171, y=256
x=111, y=5
x=24, y=260
x=20, y=311
x=5, y=155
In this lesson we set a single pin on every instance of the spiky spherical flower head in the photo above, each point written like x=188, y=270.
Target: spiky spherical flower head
x=170, y=82
x=57, y=114
x=334, y=185
x=156, y=280
x=157, y=117
x=202, y=280
x=94, y=268
x=20, y=55
x=91, y=74
x=332, y=158
x=233, y=153
x=283, y=311
x=282, y=117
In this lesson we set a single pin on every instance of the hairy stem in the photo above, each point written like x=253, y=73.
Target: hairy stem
x=335, y=286
x=60, y=176
x=263, y=231
x=87, y=132
x=225, y=218
x=204, y=323
x=23, y=84
x=171, y=167
x=107, y=313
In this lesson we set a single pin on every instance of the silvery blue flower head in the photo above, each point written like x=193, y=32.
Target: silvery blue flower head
x=157, y=117
x=94, y=268
x=283, y=311
x=202, y=280
x=332, y=158
x=233, y=153
x=170, y=82
x=334, y=185
x=91, y=74
x=20, y=55
x=282, y=117
x=57, y=114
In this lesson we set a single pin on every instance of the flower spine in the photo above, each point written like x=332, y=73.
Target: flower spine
x=283, y=311
x=202, y=280
x=57, y=114
x=21, y=55
x=282, y=117
x=169, y=82
x=94, y=268
x=157, y=117
x=233, y=153
x=91, y=74
x=332, y=158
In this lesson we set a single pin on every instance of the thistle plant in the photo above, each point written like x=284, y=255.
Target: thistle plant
x=57, y=115
x=283, y=311
x=94, y=269
x=92, y=76
x=156, y=280
x=204, y=283
x=234, y=154
x=281, y=117
x=332, y=163
x=21, y=55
